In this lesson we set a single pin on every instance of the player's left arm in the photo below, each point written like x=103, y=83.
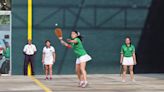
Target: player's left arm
x=134, y=56
x=121, y=56
x=34, y=49
x=54, y=57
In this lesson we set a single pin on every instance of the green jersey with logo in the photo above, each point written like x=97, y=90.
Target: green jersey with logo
x=127, y=51
x=78, y=48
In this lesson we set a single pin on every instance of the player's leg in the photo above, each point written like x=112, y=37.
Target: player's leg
x=26, y=62
x=32, y=64
x=124, y=73
x=84, y=73
x=131, y=73
x=79, y=75
x=78, y=71
x=50, y=71
x=46, y=71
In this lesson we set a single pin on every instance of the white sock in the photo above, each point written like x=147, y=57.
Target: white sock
x=85, y=81
x=81, y=81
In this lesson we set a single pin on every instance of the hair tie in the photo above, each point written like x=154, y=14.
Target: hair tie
x=78, y=33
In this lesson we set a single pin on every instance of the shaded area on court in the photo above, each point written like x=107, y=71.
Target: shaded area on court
x=150, y=48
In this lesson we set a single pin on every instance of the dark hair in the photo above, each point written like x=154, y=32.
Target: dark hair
x=129, y=39
x=47, y=41
x=79, y=35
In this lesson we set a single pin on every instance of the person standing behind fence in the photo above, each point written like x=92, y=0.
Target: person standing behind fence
x=29, y=52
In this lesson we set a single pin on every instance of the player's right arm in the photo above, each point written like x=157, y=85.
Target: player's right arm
x=121, y=56
x=65, y=43
x=43, y=56
x=24, y=49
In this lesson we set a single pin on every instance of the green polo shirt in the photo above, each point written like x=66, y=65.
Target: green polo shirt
x=78, y=48
x=127, y=51
x=6, y=53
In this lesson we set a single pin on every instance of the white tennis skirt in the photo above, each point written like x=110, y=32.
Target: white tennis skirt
x=48, y=61
x=128, y=61
x=84, y=58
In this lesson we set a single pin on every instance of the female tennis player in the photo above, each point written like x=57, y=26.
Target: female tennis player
x=128, y=58
x=48, y=58
x=82, y=57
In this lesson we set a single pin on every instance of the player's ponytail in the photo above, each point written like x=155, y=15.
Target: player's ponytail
x=78, y=35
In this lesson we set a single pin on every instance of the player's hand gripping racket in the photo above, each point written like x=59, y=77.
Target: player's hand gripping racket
x=58, y=33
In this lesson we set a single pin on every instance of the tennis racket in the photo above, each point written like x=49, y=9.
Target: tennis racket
x=121, y=70
x=58, y=32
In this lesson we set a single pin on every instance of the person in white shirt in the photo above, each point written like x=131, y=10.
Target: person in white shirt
x=29, y=52
x=48, y=58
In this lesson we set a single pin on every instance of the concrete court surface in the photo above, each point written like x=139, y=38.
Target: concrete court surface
x=97, y=83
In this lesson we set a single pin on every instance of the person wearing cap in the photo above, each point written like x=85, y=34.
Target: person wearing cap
x=29, y=52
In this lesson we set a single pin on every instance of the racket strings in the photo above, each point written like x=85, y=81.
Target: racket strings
x=58, y=32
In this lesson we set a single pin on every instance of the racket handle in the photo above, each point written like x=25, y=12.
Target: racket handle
x=60, y=38
x=62, y=42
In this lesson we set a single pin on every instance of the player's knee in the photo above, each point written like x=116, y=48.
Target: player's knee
x=50, y=68
x=76, y=70
x=82, y=70
x=131, y=69
x=124, y=69
x=46, y=67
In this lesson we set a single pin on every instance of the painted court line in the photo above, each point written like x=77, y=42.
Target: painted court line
x=40, y=84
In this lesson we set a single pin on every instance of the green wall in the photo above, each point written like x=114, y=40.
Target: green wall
x=102, y=43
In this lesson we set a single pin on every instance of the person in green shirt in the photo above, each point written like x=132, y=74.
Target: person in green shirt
x=82, y=57
x=128, y=58
x=6, y=51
